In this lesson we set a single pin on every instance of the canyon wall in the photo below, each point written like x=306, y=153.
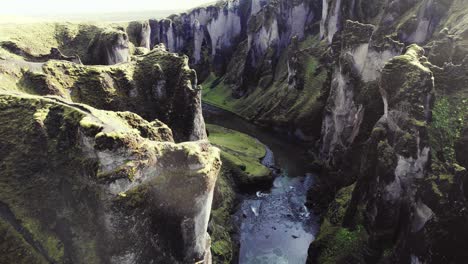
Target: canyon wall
x=347, y=75
x=82, y=185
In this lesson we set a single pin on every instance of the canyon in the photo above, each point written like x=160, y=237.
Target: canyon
x=105, y=153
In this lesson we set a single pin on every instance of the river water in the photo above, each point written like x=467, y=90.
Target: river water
x=274, y=226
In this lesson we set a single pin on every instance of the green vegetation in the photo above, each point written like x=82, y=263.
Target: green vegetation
x=278, y=103
x=36, y=38
x=15, y=249
x=447, y=124
x=216, y=93
x=241, y=150
x=221, y=226
x=335, y=242
x=340, y=243
x=337, y=209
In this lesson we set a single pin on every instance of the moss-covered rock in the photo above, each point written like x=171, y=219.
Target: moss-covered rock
x=81, y=185
x=221, y=228
x=158, y=85
x=242, y=154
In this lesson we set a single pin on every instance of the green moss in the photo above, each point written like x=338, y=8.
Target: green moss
x=386, y=154
x=15, y=249
x=216, y=93
x=49, y=242
x=337, y=209
x=447, y=177
x=37, y=38
x=240, y=149
x=340, y=243
x=221, y=226
x=448, y=120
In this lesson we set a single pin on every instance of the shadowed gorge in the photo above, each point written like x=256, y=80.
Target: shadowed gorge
x=241, y=131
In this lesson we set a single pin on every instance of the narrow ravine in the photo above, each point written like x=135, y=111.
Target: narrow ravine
x=274, y=225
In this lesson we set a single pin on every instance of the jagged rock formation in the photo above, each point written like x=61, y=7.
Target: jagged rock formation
x=245, y=45
x=389, y=117
x=109, y=47
x=394, y=159
x=157, y=85
x=81, y=185
x=368, y=99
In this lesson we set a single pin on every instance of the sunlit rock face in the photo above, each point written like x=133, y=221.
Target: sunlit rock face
x=109, y=47
x=82, y=185
x=216, y=31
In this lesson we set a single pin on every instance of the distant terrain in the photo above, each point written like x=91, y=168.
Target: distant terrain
x=90, y=17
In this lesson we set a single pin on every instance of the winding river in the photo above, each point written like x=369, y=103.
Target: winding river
x=275, y=225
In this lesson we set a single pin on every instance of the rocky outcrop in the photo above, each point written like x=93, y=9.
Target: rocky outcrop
x=140, y=34
x=157, y=85
x=212, y=33
x=109, y=47
x=395, y=157
x=344, y=114
x=81, y=185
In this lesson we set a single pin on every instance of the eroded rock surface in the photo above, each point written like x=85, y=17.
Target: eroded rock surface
x=81, y=185
x=109, y=47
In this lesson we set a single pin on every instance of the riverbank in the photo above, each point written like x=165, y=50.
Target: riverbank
x=293, y=227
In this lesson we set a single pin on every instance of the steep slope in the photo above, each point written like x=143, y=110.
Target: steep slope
x=402, y=187
x=237, y=46
x=346, y=73
x=81, y=185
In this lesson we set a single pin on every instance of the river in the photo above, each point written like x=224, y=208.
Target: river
x=275, y=225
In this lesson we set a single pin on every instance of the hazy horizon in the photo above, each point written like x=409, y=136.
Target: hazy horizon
x=87, y=10
x=61, y=7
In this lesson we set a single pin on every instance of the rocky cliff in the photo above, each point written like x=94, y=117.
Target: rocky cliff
x=82, y=185
x=387, y=115
x=236, y=46
x=157, y=85
x=391, y=128
x=380, y=87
